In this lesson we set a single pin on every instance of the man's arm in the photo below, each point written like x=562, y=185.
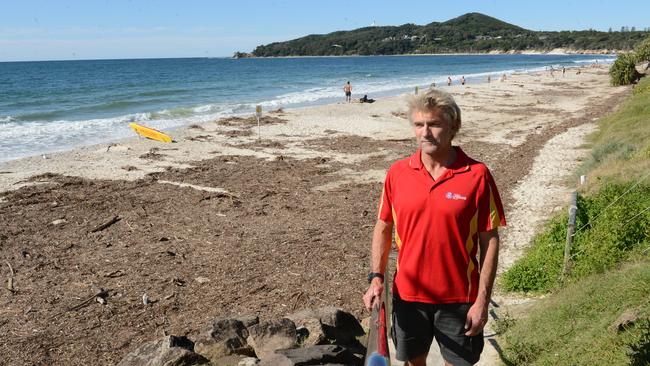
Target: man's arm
x=381, y=240
x=478, y=312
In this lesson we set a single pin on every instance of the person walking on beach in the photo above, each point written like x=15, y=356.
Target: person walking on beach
x=347, y=88
x=448, y=80
x=462, y=80
x=445, y=209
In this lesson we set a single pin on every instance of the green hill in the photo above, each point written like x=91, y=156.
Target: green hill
x=469, y=33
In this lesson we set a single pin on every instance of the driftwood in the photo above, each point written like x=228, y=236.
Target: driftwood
x=101, y=293
x=10, y=280
x=103, y=226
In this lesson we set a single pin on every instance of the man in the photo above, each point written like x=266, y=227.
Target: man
x=347, y=88
x=445, y=209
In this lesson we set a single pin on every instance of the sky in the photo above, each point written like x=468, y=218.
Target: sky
x=33, y=30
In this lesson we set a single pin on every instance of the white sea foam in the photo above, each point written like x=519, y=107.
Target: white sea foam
x=595, y=60
x=4, y=119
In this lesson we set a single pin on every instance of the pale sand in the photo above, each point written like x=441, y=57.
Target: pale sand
x=500, y=112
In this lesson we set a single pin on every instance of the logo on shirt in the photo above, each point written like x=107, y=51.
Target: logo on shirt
x=455, y=196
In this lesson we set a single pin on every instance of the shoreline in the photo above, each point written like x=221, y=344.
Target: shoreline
x=556, y=51
x=471, y=78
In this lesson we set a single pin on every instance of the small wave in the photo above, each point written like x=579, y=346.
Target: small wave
x=6, y=119
x=595, y=60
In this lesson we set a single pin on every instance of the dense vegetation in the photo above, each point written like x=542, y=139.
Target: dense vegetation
x=471, y=33
x=611, y=258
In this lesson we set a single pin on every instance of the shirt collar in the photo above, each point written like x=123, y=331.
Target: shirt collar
x=461, y=164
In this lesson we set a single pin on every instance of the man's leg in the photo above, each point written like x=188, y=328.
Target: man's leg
x=418, y=361
x=412, y=331
x=455, y=347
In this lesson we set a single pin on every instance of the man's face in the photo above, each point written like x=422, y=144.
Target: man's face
x=432, y=130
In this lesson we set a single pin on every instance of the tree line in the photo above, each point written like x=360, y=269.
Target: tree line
x=469, y=33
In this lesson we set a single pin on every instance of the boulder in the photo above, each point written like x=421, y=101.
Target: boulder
x=329, y=354
x=168, y=351
x=249, y=361
x=267, y=337
x=249, y=320
x=335, y=324
x=225, y=337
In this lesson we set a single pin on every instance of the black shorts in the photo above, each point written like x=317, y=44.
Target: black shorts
x=347, y=94
x=416, y=324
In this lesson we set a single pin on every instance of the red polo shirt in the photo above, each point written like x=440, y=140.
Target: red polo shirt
x=436, y=226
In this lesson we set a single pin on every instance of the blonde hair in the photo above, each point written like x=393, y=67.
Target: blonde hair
x=436, y=99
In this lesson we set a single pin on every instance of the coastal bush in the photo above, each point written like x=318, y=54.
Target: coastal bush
x=642, y=52
x=612, y=226
x=623, y=70
x=574, y=327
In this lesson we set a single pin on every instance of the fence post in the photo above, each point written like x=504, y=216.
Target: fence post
x=573, y=208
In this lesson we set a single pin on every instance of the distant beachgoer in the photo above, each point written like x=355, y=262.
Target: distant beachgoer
x=489, y=79
x=563, y=70
x=448, y=80
x=433, y=85
x=365, y=99
x=503, y=77
x=347, y=88
x=552, y=74
x=462, y=80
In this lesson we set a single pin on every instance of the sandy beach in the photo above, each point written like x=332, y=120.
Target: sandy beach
x=221, y=223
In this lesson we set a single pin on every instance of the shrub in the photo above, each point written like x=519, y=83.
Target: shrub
x=642, y=52
x=623, y=70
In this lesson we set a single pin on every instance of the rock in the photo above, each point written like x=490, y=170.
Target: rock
x=58, y=222
x=329, y=354
x=270, y=336
x=249, y=320
x=202, y=280
x=249, y=361
x=624, y=321
x=313, y=332
x=337, y=325
x=168, y=351
x=223, y=338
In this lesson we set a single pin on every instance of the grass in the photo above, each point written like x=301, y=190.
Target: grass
x=611, y=257
x=621, y=147
x=571, y=327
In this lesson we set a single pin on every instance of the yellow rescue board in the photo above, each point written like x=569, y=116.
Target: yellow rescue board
x=150, y=133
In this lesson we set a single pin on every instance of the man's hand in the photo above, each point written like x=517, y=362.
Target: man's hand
x=374, y=292
x=477, y=317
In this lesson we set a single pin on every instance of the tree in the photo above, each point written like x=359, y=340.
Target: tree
x=623, y=70
x=642, y=52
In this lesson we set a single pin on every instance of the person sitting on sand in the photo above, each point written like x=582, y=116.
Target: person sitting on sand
x=347, y=88
x=366, y=100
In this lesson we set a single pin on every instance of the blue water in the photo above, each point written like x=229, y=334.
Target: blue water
x=57, y=105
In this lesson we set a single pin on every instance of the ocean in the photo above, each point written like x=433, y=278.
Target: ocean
x=53, y=106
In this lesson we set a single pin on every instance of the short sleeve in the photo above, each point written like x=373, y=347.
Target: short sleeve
x=385, y=210
x=490, y=208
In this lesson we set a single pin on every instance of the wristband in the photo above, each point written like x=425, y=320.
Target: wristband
x=372, y=275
